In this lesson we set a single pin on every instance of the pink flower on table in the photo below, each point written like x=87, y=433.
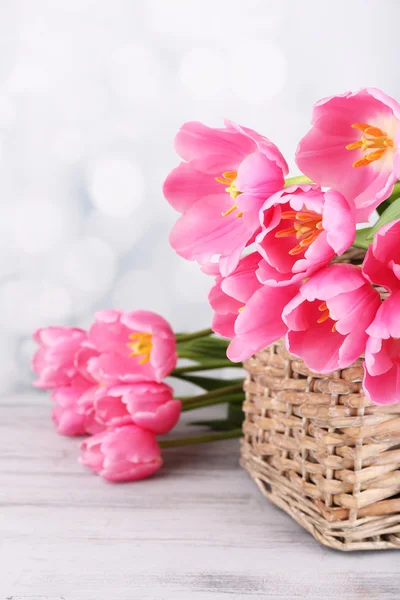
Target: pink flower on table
x=54, y=361
x=229, y=294
x=302, y=230
x=62, y=365
x=82, y=359
x=260, y=322
x=73, y=410
x=148, y=404
x=133, y=346
x=126, y=453
x=381, y=264
x=353, y=147
x=382, y=356
x=226, y=176
x=327, y=320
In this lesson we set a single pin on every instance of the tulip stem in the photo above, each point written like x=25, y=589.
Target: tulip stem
x=236, y=398
x=221, y=391
x=187, y=337
x=396, y=190
x=217, y=364
x=300, y=179
x=202, y=439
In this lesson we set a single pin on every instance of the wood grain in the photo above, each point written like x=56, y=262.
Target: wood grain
x=201, y=529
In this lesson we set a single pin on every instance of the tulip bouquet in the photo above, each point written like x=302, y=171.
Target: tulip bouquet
x=108, y=383
x=272, y=245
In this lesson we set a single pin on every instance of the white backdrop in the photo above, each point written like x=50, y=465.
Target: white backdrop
x=91, y=95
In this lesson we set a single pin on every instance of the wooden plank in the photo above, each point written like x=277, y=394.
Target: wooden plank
x=200, y=529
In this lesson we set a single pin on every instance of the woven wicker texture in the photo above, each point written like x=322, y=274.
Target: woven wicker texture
x=322, y=452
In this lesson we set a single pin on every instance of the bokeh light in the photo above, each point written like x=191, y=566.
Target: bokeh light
x=259, y=69
x=115, y=186
x=203, y=73
x=90, y=265
x=141, y=289
x=91, y=96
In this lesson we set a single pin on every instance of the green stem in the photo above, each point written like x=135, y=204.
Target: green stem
x=221, y=391
x=217, y=364
x=393, y=196
x=187, y=337
x=202, y=439
x=300, y=179
x=237, y=398
x=396, y=190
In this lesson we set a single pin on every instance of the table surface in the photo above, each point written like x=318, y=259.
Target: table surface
x=200, y=529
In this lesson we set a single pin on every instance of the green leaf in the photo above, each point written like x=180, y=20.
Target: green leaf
x=214, y=425
x=363, y=238
x=299, y=180
x=203, y=348
x=235, y=414
x=210, y=383
x=205, y=364
x=236, y=398
x=393, y=196
x=390, y=214
x=382, y=207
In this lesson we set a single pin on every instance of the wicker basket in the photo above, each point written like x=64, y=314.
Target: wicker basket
x=322, y=452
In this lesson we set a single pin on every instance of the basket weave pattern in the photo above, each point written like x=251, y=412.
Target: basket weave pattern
x=322, y=452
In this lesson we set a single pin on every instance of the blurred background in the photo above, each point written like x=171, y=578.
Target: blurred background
x=91, y=95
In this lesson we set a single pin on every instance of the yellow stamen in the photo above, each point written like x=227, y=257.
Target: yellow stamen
x=230, y=210
x=285, y=232
x=289, y=214
x=231, y=175
x=323, y=308
x=232, y=190
x=363, y=162
x=141, y=345
x=323, y=317
x=374, y=139
x=296, y=250
x=309, y=239
x=302, y=230
x=352, y=146
x=369, y=129
x=376, y=155
x=241, y=309
x=306, y=226
x=307, y=216
x=229, y=178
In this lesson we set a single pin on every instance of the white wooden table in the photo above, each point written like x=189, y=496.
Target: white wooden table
x=200, y=529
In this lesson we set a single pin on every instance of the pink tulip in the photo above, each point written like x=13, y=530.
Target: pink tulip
x=302, y=230
x=54, y=361
x=328, y=318
x=396, y=157
x=226, y=176
x=229, y=294
x=260, y=322
x=381, y=264
x=149, y=405
x=126, y=453
x=62, y=365
x=353, y=147
x=134, y=346
x=382, y=356
x=73, y=410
